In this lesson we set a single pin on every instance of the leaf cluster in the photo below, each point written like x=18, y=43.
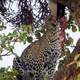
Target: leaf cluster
x=7, y=73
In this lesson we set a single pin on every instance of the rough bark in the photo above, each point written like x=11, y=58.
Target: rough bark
x=69, y=69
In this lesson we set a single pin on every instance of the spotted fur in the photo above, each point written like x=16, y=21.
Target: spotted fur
x=40, y=58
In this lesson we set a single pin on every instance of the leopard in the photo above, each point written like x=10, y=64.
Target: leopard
x=38, y=61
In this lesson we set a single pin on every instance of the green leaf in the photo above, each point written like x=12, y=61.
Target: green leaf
x=79, y=28
x=2, y=27
x=8, y=74
x=29, y=39
x=70, y=23
x=29, y=28
x=2, y=70
x=69, y=26
x=13, y=34
x=26, y=28
x=22, y=37
x=9, y=48
x=69, y=41
x=74, y=29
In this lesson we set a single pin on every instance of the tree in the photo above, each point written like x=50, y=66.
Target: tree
x=47, y=49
